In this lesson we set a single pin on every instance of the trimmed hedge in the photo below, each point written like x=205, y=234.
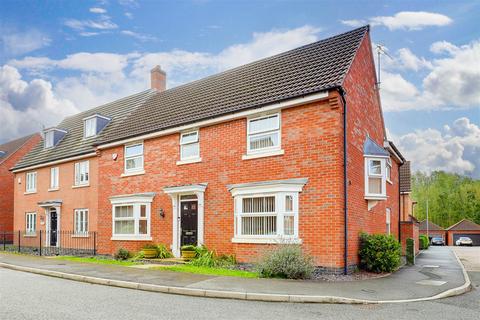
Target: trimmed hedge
x=424, y=243
x=379, y=253
x=410, y=251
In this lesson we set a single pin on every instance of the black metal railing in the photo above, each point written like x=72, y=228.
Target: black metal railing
x=49, y=243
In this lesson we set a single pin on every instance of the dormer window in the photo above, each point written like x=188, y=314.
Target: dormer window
x=53, y=136
x=376, y=171
x=94, y=124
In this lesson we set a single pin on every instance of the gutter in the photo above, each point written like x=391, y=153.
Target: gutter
x=342, y=93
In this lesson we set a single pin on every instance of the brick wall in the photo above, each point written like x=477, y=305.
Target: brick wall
x=365, y=118
x=72, y=198
x=311, y=138
x=7, y=179
x=409, y=229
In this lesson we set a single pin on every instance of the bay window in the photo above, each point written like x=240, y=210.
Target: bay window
x=267, y=212
x=375, y=178
x=134, y=158
x=263, y=134
x=131, y=216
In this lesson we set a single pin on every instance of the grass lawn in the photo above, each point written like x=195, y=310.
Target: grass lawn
x=98, y=260
x=209, y=271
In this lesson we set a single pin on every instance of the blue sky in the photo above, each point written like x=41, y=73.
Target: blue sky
x=61, y=57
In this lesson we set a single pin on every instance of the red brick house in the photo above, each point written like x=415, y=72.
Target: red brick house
x=463, y=228
x=10, y=153
x=409, y=225
x=288, y=149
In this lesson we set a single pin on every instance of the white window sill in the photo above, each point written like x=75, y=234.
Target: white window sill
x=30, y=192
x=81, y=186
x=375, y=197
x=132, y=174
x=53, y=189
x=187, y=161
x=131, y=238
x=31, y=235
x=80, y=236
x=271, y=153
x=267, y=240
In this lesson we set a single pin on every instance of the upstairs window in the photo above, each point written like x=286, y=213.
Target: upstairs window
x=49, y=139
x=82, y=174
x=189, y=146
x=134, y=158
x=31, y=184
x=90, y=127
x=388, y=170
x=54, y=177
x=263, y=133
x=375, y=178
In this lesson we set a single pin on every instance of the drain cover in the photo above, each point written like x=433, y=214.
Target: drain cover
x=431, y=282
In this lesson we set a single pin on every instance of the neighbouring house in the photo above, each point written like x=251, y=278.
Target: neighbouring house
x=287, y=149
x=463, y=228
x=10, y=153
x=409, y=225
x=432, y=230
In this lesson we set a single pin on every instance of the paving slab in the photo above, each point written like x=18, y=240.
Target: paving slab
x=438, y=265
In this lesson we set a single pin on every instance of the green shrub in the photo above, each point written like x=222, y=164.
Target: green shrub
x=122, y=254
x=206, y=258
x=410, y=251
x=424, y=243
x=379, y=253
x=287, y=261
x=163, y=252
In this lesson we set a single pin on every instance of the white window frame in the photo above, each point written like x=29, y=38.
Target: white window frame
x=30, y=223
x=49, y=138
x=182, y=144
x=277, y=130
x=86, y=129
x=80, y=224
x=381, y=176
x=388, y=171
x=388, y=218
x=31, y=182
x=82, y=173
x=136, y=201
x=139, y=155
x=54, y=178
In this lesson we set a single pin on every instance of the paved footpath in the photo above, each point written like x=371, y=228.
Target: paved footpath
x=437, y=273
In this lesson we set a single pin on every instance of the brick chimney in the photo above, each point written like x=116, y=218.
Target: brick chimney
x=158, y=79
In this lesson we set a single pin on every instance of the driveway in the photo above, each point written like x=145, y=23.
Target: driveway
x=470, y=257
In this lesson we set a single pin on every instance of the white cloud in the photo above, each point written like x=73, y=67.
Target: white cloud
x=407, y=20
x=453, y=81
x=138, y=36
x=129, y=15
x=103, y=23
x=97, y=78
x=26, y=106
x=455, y=149
x=97, y=10
x=17, y=43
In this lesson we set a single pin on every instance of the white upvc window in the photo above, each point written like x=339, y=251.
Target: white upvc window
x=30, y=223
x=134, y=158
x=82, y=173
x=54, y=178
x=387, y=219
x=90, y=127
x=131, y=220
x=375, y=178
x=267, y=216
x=263, y=134
x=189, y=145
x=80, y=221
x=388, y=170
x=49, y=139
x=31, y=182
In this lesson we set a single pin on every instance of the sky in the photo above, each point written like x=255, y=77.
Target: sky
x=61, y=57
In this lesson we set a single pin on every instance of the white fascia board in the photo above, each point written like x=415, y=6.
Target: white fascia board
x=51, y=163
x=242, y=114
